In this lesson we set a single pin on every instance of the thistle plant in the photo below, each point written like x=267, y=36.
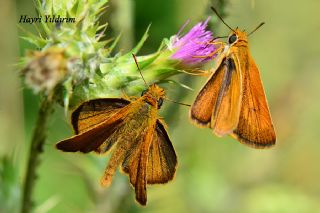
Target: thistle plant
x=74, y=63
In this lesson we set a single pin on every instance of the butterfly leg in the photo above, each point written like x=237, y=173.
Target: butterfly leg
x=217, y=42
x=126, y=97
x=211, y=42
x=209, y=55
x=197, y=72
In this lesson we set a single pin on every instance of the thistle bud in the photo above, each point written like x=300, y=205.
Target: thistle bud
x=45, y=70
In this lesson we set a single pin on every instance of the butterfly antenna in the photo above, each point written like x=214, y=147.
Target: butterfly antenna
x=136, y=61
x=177, y=102
x=216, y=12
x=260, y=25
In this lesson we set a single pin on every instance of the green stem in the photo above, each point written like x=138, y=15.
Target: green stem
x=36, y=148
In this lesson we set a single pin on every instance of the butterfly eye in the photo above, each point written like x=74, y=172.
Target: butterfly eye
x=233, y=38
x=160, y=102
x=144, y=92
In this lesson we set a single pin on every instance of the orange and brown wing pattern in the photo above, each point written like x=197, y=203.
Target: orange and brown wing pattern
x=131, y=147
x=255, y=126
x=90, y=140
x=135, y=163
x=226, y=112
x=150, y=160
x=162, y=161
x=204, y=104
x=94, y=112
x=94, y=122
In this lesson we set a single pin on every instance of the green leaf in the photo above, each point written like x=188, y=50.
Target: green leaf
x=166, y=81
x=36, y=41
x=145, y=61
x=73, y=11
x=136, y=49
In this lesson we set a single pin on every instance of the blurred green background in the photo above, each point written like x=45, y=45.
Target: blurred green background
x=214, y=174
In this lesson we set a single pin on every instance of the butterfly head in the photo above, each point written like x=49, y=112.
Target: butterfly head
x=241, y=36
x=237, y=35
x=154, y=95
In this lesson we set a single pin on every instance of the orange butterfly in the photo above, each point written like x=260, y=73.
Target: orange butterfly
x=233, y=100
x=133, y=129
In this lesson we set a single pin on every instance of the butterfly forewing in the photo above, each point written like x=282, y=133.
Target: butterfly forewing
x=94, y=122
x=94, y=112
x=202, y=108
x=227, y=107
x=255, y=126
x=90, y=140
x=218, y=102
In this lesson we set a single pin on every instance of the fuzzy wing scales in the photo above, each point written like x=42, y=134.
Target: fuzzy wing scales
x=255, y=126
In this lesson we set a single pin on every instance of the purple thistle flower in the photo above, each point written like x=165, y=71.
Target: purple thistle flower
x=193, y=44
